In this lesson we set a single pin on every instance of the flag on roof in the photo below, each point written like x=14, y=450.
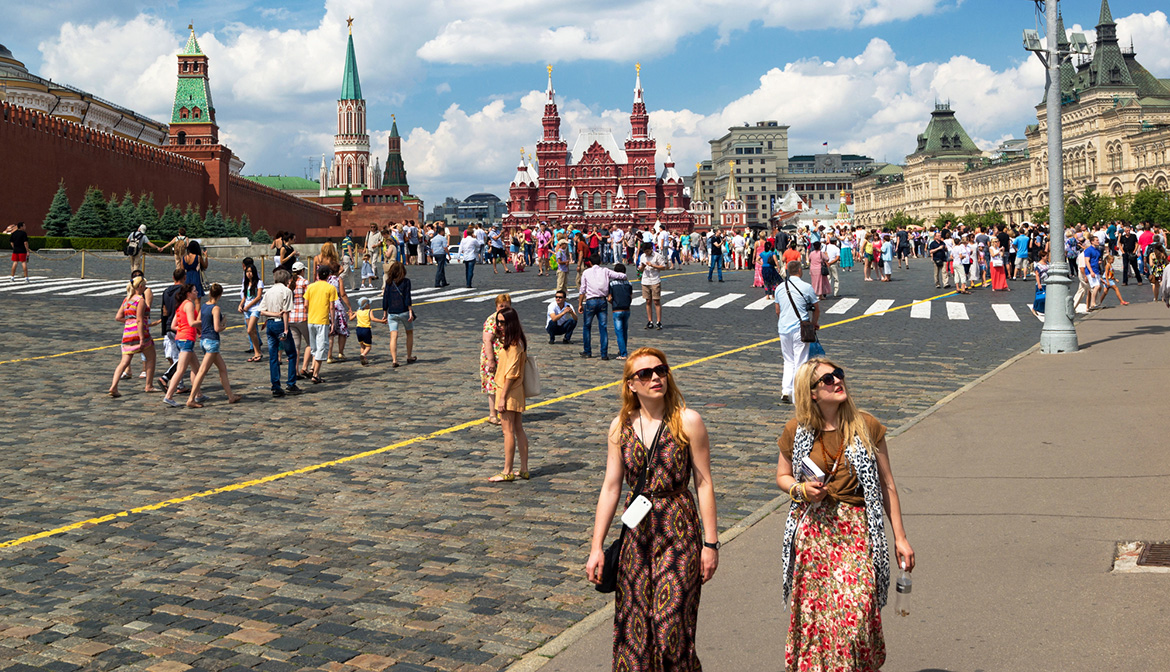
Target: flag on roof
x=825, y=144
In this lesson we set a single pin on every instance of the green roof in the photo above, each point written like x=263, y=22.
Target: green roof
x=1106, y=14
x=192, y=48
x=284, y=182
x=888, y=169
x=192, y=92
x=944, y=135
x=351, y=87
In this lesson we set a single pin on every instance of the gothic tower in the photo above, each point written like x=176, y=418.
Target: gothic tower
x=639, y=178
x=193, y=115
x=351, y=144
x=395, y=173
x=552, y=154
x=733, y=212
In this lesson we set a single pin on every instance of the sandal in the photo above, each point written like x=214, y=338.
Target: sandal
x=316, y=380
x=396, y=365
x=502, y=477
x=256, y=358
x=522, y=474
x=495, y=421
x=114, y=394
x=411, y=360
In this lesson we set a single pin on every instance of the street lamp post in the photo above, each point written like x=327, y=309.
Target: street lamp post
x=1059, y=334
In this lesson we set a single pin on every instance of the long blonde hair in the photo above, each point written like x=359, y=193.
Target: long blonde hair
x=808, y=414
x=329, y=254
x=675, y=404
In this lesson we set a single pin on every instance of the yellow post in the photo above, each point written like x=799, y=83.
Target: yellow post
x=262, y=267
x=83, y=264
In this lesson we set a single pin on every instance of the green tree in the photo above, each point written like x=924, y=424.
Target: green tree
x=1040, y=215
x=129, y=215
x=347, y=201
x=261, y=237
x=147, y=214
x=1149, y=205
x=989, y=219
x=972, y=220
x=210, y=228
x=56, y=222
x=169, y=222
x=940, y=222
x=112, y=224
x=193, y=222
x=902, y=219
x=87, y=221
x=244, y=226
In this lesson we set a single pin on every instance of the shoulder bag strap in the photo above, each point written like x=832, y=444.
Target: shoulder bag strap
x=788, y=291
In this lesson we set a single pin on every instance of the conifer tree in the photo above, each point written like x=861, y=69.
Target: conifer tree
x=147, y=214
x=169, y=222
x=347, y=200
x=87, y=221
x=112, y=220
x=245, y=226
x=209, y=228
x=56, y=222
x=129, y=214
x=194, y=222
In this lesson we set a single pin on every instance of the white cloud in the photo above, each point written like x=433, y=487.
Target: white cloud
x=442, y=88
x=1151, y=37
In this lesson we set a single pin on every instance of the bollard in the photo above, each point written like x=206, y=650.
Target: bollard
x=262, y=275
x=83, y=264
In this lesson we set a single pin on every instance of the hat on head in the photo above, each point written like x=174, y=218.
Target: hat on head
x=141, y=228
x=298, y=266
x=364, y=301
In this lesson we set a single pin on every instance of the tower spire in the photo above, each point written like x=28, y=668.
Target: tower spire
x=638, y=83
x=552, y=95
x=351, y=86
x=639, y=120
x=1106, y=14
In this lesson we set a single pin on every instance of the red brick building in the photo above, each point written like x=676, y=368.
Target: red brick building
x=598, y=183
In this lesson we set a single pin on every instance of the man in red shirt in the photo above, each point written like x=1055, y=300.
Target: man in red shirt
x=1145, y=238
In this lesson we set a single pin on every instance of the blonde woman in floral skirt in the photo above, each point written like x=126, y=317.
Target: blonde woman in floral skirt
x=835, y=557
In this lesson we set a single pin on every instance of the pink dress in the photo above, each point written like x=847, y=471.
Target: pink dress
x=758, y=277
x=820, y=282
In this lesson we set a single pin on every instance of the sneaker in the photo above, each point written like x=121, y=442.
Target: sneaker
x=551, y=340
x=785, y=399
x=293, y=389
x=201, y=398
x=605, y=358
x=649, y=325
x=170, y=402
x=586, y=355
x=658, y=326
x=277, y=392
x=567, y=340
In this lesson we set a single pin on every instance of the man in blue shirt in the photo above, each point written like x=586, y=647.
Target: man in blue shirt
x=796, y=302
x=1020, y=242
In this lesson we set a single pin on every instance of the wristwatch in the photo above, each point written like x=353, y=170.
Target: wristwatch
x=715, y=546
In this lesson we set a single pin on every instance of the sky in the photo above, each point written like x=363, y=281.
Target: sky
x=466, y=78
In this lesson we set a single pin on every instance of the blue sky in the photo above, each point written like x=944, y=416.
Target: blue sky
x=466, y=78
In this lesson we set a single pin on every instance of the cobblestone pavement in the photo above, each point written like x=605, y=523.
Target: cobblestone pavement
x=403, y=560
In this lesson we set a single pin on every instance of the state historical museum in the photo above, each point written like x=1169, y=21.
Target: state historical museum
x=598, y=183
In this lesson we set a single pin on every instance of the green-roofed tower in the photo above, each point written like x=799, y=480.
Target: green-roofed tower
x=944, y=136
x=351, y=145
x=395, y=173
x=193, y=114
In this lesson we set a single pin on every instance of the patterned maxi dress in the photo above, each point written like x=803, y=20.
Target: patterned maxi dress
x=657, y=606
x=487, y=379
x=758, y=277
x=340, y=319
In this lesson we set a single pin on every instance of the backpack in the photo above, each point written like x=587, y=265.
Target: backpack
x=133, y=245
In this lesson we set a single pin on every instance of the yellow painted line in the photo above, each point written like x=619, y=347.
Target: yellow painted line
x=80, y=352
x=394, y=446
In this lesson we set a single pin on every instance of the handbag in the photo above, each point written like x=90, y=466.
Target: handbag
x=815, y=349
x=808, y=331
x=613, y=554
x=531, y=377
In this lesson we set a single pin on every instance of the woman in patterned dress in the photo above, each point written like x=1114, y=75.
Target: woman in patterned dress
x=489, y=352
x=134, y=314
x=758, y=276
x=835, y=558
x=667, y=557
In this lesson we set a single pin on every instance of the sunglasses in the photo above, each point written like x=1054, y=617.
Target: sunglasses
x=828, y=378
x=646, y=374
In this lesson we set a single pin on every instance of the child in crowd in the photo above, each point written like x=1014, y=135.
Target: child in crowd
x=367, y=272
x=365, y=333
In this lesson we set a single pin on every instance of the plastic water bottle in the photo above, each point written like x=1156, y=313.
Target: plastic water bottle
x=902, y=598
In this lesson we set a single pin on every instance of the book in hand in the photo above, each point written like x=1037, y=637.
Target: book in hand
x=809, y=471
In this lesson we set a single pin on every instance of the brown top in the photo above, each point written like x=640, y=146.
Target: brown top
x=510, y=366
x=843, y=487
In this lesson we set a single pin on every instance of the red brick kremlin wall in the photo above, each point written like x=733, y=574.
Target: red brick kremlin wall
x=38, y=151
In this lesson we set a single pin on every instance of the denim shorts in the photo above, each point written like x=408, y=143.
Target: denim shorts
x=249, y=314
x=399, y=322
x=186, y=346
x=209, y=345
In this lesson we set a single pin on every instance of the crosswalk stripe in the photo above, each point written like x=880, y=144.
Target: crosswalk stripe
x=722, y=301
x=19, y=285
x=65, y=284
x=683, y=300
x=878, y=306
x=104, y=287
x=842, y=306
x=760, y=304
x=537, y=295
x=956, y=311
x=641, y=302
x=1005, y=312
x=920, y=311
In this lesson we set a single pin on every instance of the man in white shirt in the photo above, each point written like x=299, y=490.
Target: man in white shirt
x=374, y=245
x=737, y=243
x=796, y=302
x=561, y=319
x=833, y=260
x=615, y=242
x=650, y=263
x=276, y=308
x=469, y=249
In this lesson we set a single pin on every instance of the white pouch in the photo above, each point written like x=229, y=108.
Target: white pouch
x=637, y=510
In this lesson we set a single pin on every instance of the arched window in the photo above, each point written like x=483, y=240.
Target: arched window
x=198, y=141
x=195, y=113
x=186, y=66
x=552, y=202
x=182, y=137
x=349, y=174
x=609, y=200
x=597, y=200
x=195, y=66
x=183, y=113
x=641, y=199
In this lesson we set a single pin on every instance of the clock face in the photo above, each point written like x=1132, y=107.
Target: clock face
x=827, y=162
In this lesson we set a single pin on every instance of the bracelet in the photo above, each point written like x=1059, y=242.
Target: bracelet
x=803, y=493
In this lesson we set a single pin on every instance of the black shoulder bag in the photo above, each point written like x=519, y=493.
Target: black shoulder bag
x=613, y=554
x=808, y=332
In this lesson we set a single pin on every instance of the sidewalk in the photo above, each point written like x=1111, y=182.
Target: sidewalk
x=1013, y=504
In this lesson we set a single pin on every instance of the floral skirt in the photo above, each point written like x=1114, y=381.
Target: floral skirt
x=836, y=623
x=340, y=323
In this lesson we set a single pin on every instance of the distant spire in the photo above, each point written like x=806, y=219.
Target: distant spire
x=394, y=126
x=732, y=192
x=351, y=86
x=552, y=95
x=638, y=84
x=192, y=48
x=1106, y=14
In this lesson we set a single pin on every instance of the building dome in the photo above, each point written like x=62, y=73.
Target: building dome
x=482, y=197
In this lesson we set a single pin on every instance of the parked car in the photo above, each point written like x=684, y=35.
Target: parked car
x=453, y=255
